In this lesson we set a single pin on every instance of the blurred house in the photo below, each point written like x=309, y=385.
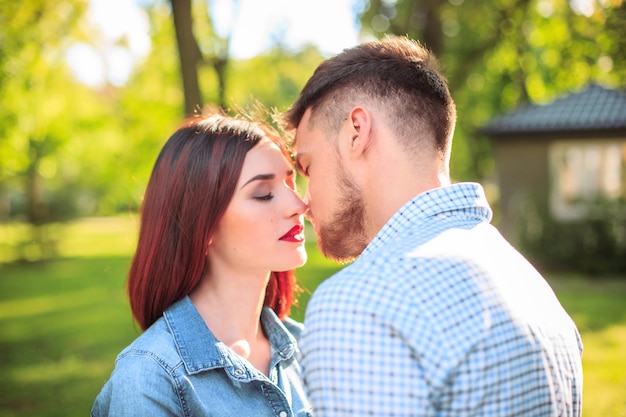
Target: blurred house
x=562, y=156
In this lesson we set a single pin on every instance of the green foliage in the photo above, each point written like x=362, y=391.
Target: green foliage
x=501, y=54
x=594, y=245
x=147, y=113
x=274, y=78
x=68, y=150
x=32, y=123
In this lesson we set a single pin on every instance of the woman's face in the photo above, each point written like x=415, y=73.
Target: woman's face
x=262, y=229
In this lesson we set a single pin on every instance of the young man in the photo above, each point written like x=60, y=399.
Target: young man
x=439, y=315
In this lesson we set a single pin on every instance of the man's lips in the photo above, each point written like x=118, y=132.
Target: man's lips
x=295, y=234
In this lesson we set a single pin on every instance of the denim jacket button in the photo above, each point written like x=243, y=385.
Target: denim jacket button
x=238, y=372
x=282, y=414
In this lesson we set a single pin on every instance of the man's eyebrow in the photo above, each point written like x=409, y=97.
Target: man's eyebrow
x=260, y=177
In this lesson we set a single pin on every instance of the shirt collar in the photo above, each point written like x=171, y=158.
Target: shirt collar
x=467, y=198
x=200, y=350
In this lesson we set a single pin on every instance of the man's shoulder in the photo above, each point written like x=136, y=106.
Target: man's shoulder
x=367, y=282
x=411, y=270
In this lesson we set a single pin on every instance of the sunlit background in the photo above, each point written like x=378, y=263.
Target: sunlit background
x=122, y=32
x=91, y=89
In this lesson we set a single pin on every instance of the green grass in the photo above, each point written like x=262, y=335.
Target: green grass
x=63, y=322
x=599, y=309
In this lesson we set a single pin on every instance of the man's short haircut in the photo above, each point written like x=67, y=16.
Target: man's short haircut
x=396, y=75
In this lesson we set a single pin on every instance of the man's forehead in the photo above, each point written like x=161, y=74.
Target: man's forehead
x=300, y=156
x=304, y=128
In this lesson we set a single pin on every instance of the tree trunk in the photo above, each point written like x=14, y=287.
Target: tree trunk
x=432, y=33
x=189, y=54
x=219, y=64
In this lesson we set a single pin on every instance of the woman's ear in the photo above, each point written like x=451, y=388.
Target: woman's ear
x=207, y=246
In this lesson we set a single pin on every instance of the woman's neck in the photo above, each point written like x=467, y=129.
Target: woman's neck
x=230, y=304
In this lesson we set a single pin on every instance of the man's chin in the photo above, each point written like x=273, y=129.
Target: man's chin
x=335, y=251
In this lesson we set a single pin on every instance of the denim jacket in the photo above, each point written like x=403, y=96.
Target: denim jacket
x=178, y=368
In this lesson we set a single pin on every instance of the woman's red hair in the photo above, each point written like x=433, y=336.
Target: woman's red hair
x=192, y=183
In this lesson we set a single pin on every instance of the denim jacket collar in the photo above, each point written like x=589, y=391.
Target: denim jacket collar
x=200, y=350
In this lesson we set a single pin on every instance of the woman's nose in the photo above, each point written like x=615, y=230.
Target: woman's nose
x=299, y=205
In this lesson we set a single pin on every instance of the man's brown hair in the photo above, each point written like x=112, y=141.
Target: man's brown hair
x=395, y=74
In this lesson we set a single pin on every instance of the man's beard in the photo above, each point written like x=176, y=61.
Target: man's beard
x=344, y=238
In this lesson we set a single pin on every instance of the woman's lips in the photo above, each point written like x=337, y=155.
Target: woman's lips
x=295, y=234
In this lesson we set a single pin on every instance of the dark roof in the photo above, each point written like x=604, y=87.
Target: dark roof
x=593, y=109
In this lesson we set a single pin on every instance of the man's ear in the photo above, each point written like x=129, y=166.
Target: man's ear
x=358, y=130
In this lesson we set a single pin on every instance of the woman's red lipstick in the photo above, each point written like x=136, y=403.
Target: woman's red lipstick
x=295, y=234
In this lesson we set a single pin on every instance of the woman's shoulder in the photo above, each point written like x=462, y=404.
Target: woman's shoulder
x=143, y=377
x=155, y=344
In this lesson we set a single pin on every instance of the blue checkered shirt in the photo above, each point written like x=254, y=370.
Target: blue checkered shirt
x=440, y=316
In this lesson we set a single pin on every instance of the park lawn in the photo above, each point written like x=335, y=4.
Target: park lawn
x=63, y=322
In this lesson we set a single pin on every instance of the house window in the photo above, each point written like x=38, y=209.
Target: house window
x=583, y=172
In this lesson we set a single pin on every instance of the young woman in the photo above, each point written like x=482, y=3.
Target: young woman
x=212, y=281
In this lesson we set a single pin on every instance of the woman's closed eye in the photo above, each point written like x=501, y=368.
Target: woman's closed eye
x=265, y=197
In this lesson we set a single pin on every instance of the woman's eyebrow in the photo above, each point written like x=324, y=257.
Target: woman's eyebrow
x=260, y=177
x=267, y=177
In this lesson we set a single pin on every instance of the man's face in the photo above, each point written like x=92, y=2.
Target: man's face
x=336, y=207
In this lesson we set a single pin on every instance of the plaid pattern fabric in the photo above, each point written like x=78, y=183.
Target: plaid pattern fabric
x=440, y=316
